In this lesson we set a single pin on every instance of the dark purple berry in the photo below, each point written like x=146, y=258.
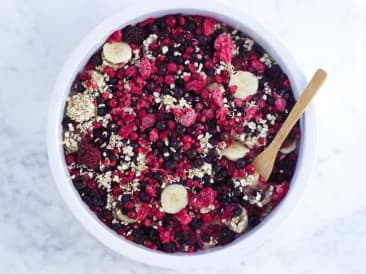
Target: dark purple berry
x=133, y=34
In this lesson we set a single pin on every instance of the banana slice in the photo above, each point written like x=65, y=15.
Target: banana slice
x=174, y=198
x=122, y=217
x=117, y=52
x=289, y=148
x=240, y=223
x=235, y=151
x=246, y=82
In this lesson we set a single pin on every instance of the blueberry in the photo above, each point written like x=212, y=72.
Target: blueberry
x=169, y=164
x=66, y=121
x=196, y=223
x=178, y=92
x=179, y=60
x=237, y=211
x=78, y=85
x=161, y=125
x=96, y=60
x=176, y=144
x=150, y=86
x=79, y=183
x=226, y=236
x=180, y=129
x=197, y=162
x=139, y=235
x=210, y=72
x=179, y=237
x=177, y=156
x=253, y=220
x=205, y=237
x=270, y=100
x=240, y=163
x=112, y=127
x=258, y=49
x=191, y=26
x=154, y=235
x=281, y=92
x=153, y=28
x=144, y=197
x=180, y=39
x=179, y=82
x=169, y=247
x=191, y=153
x=161, y=70
x=274, y=72
x=202, y=39
x=160, y=144
x=166, y=89
x=102, y=111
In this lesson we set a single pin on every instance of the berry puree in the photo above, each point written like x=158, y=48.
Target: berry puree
x=161, y=128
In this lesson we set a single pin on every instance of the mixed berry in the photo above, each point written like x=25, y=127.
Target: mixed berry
x=161, y=128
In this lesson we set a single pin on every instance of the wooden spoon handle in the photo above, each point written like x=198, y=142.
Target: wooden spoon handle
x=299, y=108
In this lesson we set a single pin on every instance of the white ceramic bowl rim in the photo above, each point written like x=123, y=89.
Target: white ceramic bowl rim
x=246, y=244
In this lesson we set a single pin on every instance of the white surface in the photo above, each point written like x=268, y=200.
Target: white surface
x=242, y=247
x=326, y=232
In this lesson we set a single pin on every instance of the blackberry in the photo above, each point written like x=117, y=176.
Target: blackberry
x=134, y=34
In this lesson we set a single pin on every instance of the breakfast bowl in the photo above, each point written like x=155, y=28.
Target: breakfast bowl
x=242, y=246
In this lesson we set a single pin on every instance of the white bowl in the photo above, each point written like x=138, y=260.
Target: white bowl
x=246, y=244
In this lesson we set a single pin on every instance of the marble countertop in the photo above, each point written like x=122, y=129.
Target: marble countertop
x=325, y=234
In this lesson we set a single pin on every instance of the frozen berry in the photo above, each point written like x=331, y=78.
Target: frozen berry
x=133, y=34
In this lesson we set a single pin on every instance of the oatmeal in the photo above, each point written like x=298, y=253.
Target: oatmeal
x=161, y=128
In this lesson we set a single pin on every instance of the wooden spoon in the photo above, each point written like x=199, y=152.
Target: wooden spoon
x=265, y=160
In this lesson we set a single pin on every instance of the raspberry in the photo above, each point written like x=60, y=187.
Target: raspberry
x=280, y=104
x=172, y=67
x=145, y=68
x=205, y=198
x=259, y=66
x=116, y=36
x=154, y=135
x=133, y=34
x=280, y=191
x=164, y=235
x=144, y=210
x=196, y=85
x=88, y=155
x=188, y=118
x=208, y=26
x=250, y=113
x=147, y=121
x=183, y=217
x=224, y=48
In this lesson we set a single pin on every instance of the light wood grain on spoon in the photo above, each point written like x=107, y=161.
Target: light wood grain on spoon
x=264, y=161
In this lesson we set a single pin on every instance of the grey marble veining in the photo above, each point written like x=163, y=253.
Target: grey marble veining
x=326, y=233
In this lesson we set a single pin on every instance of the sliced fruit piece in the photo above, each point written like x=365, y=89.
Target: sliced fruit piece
x=122, y=217
x=287, y=149
x=235, y=151
x=174, y=198
x=117, y=52
x=246, y=83
x=239, y=223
